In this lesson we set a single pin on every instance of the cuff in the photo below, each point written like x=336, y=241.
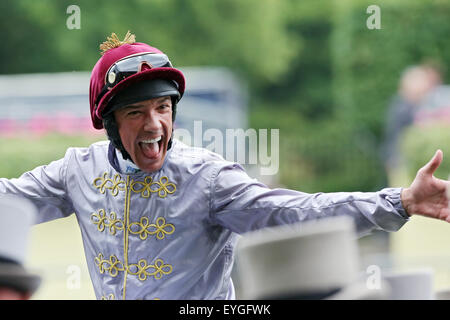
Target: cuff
x=394, y=197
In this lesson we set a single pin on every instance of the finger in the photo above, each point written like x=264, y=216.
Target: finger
x=434, y=163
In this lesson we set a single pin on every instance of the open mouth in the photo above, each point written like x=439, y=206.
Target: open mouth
x=151, y=148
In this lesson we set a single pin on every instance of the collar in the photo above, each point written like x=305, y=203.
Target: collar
x=126, y=166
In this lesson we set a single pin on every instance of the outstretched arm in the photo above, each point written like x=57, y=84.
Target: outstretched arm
x=242, y=204
x=45, y=187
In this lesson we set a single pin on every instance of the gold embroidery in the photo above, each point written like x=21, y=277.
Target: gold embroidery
x=102, y=221
x=145, y=190
x=109, y=297
x=150, y=229
x=159, y=269
x=113, y=265
x=114, y=185
x=147, y=187
x=125, y=238
x=162, y=187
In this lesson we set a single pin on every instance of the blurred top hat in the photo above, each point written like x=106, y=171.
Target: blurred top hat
x=17, y=215
x=442, y=294
x=410, y=284
x=309, y=260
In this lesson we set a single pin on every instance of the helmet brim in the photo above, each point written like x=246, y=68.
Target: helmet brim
x=142, y=91
x=156, y=73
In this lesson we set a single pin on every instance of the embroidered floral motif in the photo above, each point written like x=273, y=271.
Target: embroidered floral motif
x=161, y=228
x=113, y=265
x=143, y=228
x=165, y=187
x=109, y=297
x=159, y=268
x=114, y=185
x=102, y=221
x=148, y=186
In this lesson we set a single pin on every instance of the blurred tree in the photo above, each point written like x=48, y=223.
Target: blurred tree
x=26, y=43
x=249, y=37
x=368, y=63
x=305, y=88
x=312, y=66
x=420, y=142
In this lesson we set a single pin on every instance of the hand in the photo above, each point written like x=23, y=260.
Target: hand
x=428, y=196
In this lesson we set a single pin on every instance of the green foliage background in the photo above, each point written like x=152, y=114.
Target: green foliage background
x=313, y=68
x=368, y=64
x=419, y=143
x=26, y=153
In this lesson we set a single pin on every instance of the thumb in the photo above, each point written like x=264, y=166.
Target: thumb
x=434, y=163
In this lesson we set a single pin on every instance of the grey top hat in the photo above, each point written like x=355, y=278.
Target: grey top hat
x=17, y=215
x=309, y=260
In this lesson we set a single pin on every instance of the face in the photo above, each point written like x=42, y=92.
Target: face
x=145, y=128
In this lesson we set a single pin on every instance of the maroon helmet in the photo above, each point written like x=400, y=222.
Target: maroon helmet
x=122, y=64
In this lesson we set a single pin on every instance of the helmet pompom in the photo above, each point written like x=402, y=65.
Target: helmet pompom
x=114, y=42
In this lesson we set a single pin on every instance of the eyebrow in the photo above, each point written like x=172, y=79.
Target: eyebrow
x=160, y=100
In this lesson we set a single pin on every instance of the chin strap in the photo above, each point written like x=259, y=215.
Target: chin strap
x=169, y=144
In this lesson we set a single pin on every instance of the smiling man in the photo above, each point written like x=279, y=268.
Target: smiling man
x=159, y=219
x=145, y=129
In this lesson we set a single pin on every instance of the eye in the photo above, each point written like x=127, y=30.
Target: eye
x=164, y=106
x=133, y=112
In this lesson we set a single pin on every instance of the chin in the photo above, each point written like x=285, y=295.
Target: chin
x=151, y=167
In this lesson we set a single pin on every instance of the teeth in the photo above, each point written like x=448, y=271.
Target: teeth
x=152, y=140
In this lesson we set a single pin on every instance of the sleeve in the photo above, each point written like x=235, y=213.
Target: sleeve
x=45, y=186
x=242, y=204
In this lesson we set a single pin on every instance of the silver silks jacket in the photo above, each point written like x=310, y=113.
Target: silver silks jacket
x=171, y=234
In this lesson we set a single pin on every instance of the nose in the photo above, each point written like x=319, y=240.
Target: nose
x=152, y=122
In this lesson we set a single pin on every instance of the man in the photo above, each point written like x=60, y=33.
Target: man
x=16, y=218
x=416, y=83
x=159, y=219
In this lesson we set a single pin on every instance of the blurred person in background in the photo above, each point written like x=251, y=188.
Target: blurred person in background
x=160, y=219
x=416, y=83
x=17, y=215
